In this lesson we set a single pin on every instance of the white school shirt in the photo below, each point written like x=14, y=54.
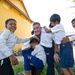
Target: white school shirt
x=26, y=45
x=39, y=53
x=59, y=33
x=72, y=38
x=7, y=42
x=46, y=38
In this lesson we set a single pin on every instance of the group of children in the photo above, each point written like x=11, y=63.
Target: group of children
x=40, y=54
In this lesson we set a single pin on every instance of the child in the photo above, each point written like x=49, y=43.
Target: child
x=71, y=38
x=7, y=42
x=66, y=52
x=37, y=58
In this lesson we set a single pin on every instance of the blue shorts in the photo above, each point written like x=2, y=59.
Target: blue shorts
x=38, y=64
x=24, y=52
x=66, y=55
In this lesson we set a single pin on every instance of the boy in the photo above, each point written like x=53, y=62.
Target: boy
x=7, y=42
x=37, y=58
x=65, y=57
x=71, y=38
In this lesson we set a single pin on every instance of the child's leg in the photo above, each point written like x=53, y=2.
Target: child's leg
x=24, y=52
x=28, y=72
x=37, y=63
x=65, y=71
x=71, y=72
x=27, y=66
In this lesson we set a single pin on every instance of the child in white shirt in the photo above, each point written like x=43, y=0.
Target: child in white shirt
x=71, y=38
x=37, y=58
x=7, y=42
x=65, y=57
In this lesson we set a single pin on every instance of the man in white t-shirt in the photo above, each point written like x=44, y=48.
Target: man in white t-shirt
x=41, y=34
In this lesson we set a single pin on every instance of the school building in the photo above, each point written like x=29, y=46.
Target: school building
x=17, y=10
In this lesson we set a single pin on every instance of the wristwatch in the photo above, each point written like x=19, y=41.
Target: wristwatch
x=56, y=52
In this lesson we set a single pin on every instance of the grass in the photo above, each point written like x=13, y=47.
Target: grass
x=19, y=68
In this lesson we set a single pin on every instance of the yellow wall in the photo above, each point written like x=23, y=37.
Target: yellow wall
x=23, y=25
x=18, y=3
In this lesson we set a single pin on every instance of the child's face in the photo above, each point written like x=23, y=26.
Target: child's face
x=33, y=45
x=11, y=25
x=54, y=23
x=73, y=24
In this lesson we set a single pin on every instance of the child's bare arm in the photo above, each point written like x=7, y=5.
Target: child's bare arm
x=47, y=30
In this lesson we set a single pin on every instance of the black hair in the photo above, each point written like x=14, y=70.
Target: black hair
x=6, y=22
x=73, y=20
x=32, y=32
x=50, y=26
x=34, y=40
x=36, y=23
x=55, y=17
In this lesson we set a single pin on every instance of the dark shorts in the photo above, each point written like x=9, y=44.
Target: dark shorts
x=6, y=67
x=66, y=55
x=38, y=64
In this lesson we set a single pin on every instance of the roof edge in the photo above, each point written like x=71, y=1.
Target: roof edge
x=25, y=8
x=9, y=2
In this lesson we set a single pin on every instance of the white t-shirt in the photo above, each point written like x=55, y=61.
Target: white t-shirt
x=7, y=43
x=39, y=53
x=26, y=45
x=59, y=33
x=46, y=38
x=72, y=38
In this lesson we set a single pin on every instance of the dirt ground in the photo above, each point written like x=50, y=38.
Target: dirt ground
x=20, y=58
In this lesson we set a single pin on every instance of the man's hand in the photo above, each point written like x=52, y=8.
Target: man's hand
x=66, y=39
x=56, y=57
x=34, y=37
x=13, y=60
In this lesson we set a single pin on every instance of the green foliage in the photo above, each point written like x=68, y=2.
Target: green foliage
x=44, y=70
x=73, y=0
x=18, y=68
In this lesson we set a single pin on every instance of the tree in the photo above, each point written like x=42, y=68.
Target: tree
x=73, y=0
x=74, y=5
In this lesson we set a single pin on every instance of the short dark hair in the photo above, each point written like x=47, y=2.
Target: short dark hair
x=55, y=17
x=50, y=26
x=73, y=20
x=34, y=40
x=36, y=23
x=6, y=22
x=32, y=32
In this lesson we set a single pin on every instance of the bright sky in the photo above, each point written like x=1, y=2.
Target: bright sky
x=41, y=10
